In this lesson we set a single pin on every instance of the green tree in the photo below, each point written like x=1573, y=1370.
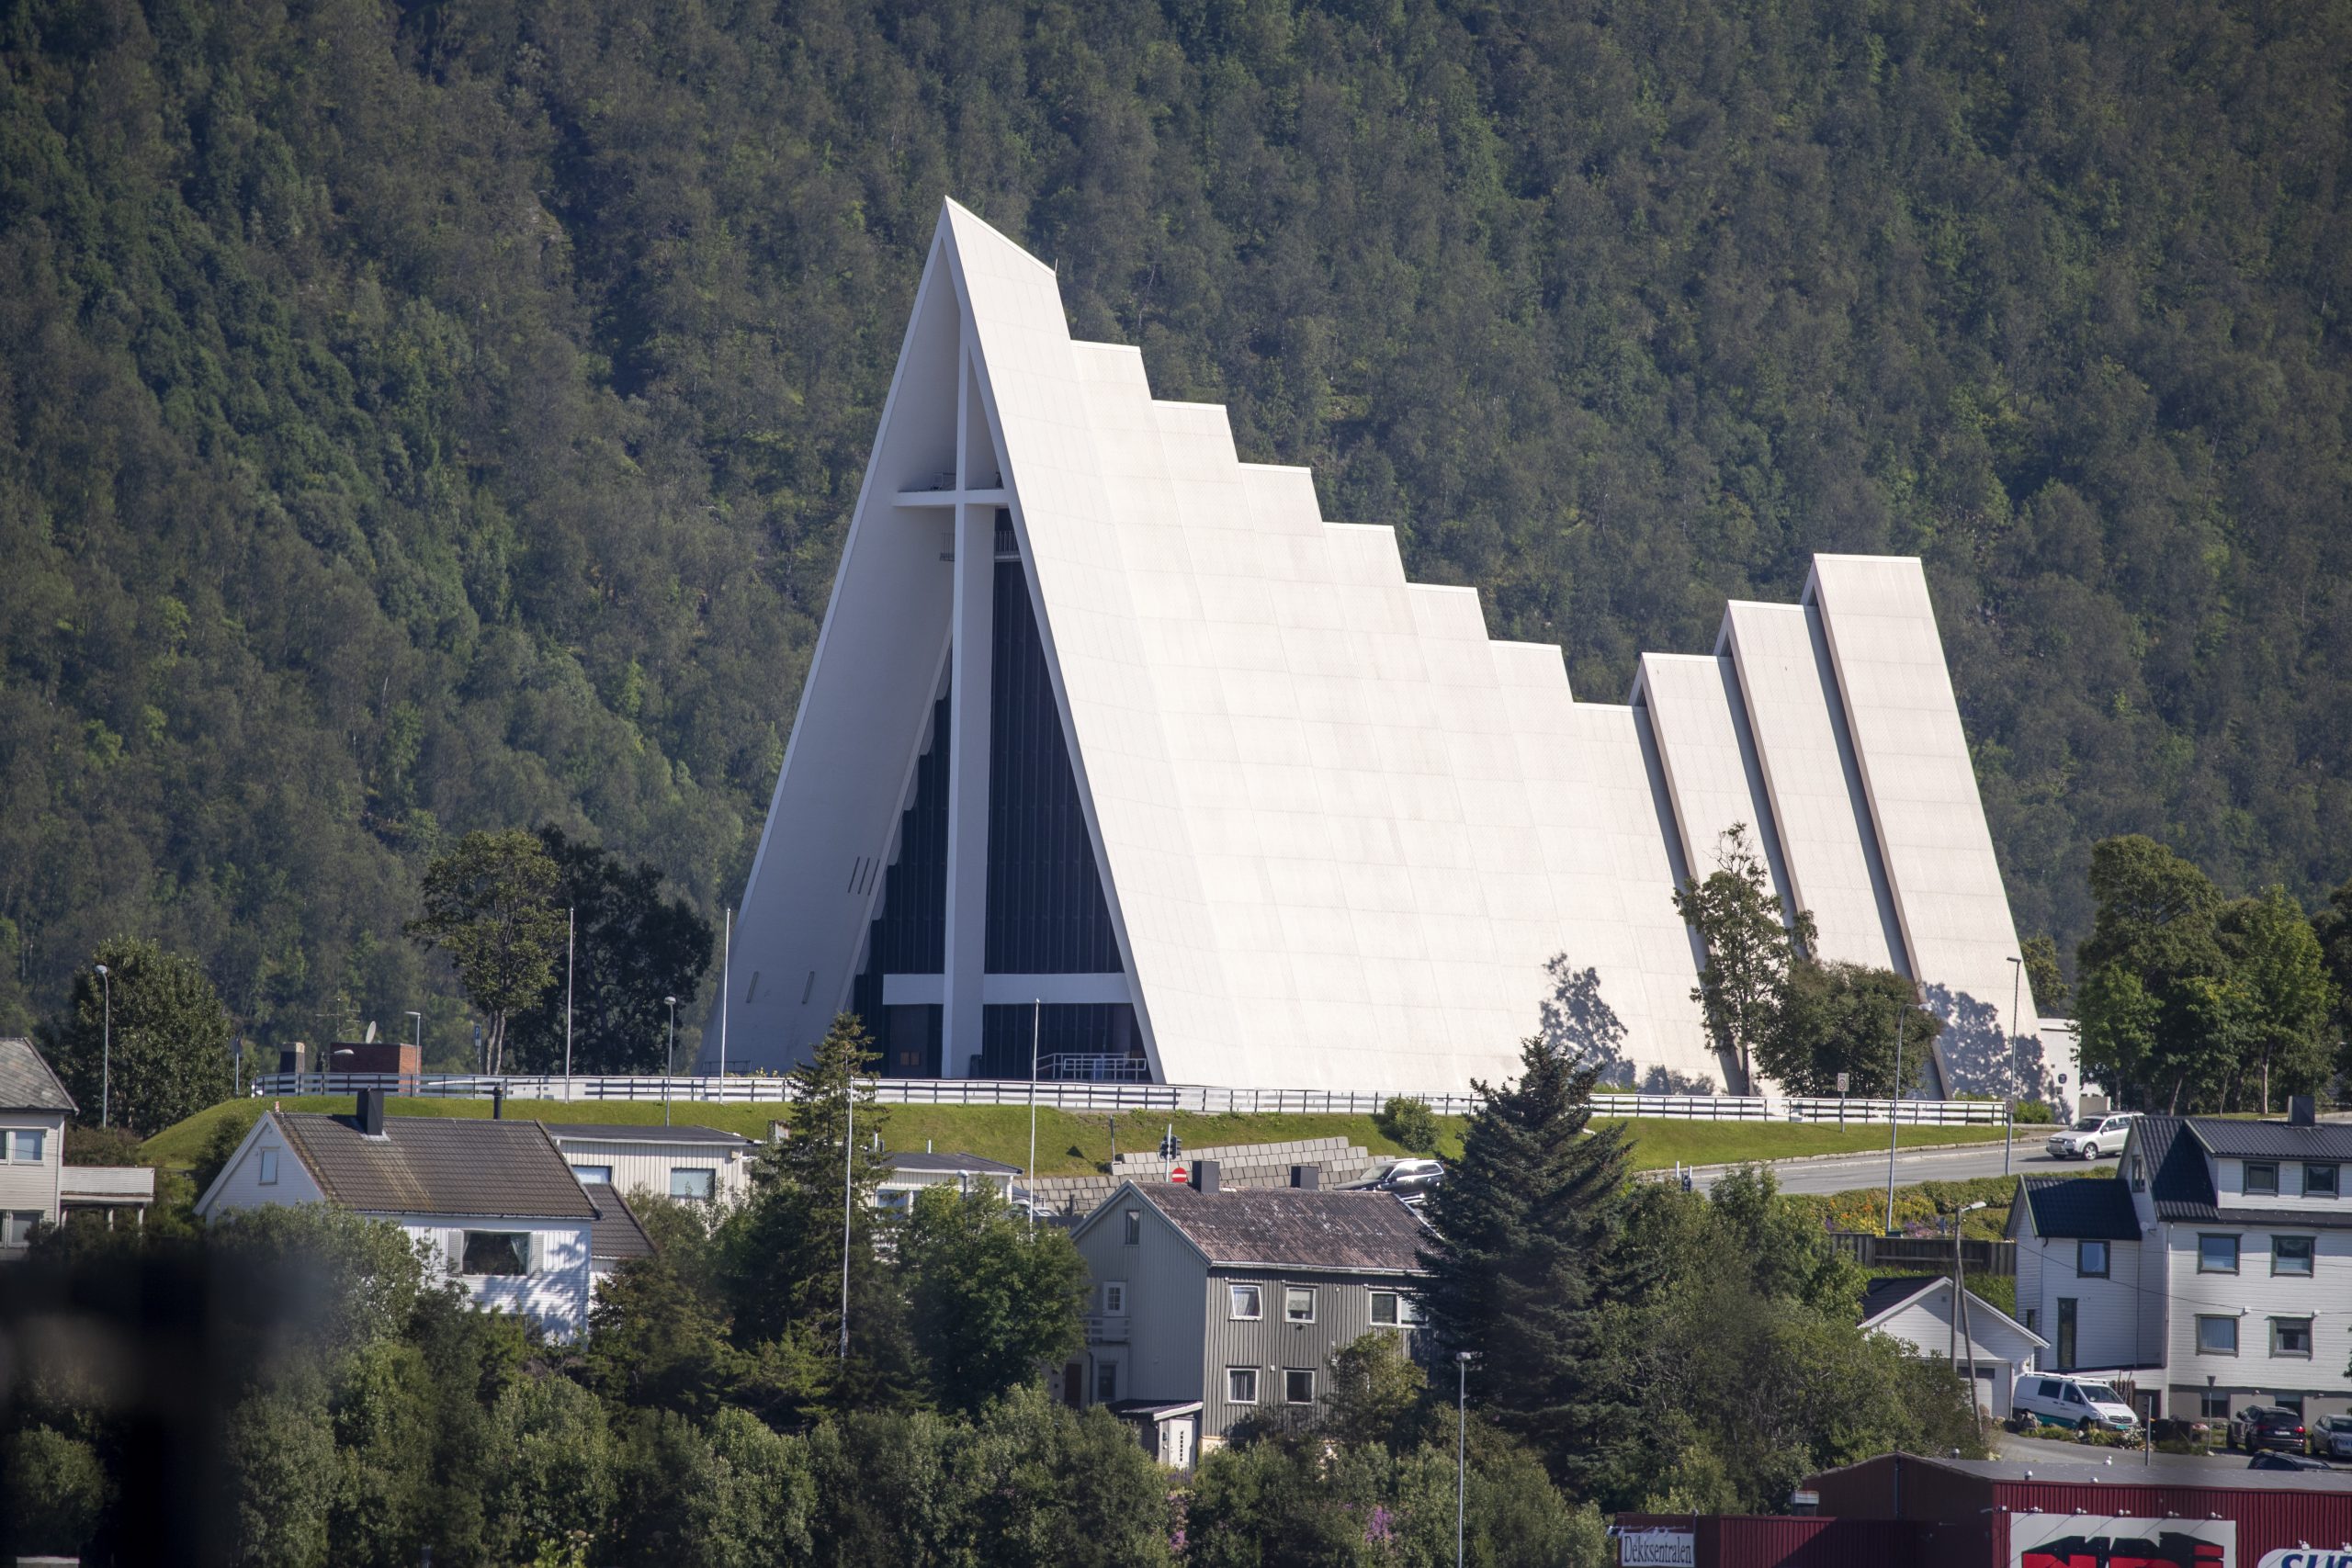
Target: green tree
x=1409, y=1121
x=278, y=1451
x=385, y=1433
x=632, y=947
x=659, y=1330
x=2117, y=1018
x=1526, y=1247
x=488, y=905
x=169, y=1056
x=2043, y=976
x=2156, y=913
x=1376, y=1389
x=52, y=1489
x=812, y=1195
x=549, y=1484
x=2274, y=953
x=2332, y=928
x=992, y=1299
x=1749, y=945
x=1847, y=1017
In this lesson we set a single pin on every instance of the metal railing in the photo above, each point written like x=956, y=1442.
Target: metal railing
x=1063, y=1094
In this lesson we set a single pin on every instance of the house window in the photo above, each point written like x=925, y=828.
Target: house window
x=2032, y=1322
x=28, y=1144
x=2291, y=1255
x=2213, y=1404
x=2262, y=1179
x=1298, y=1304
x=16, y=1227
x=2320, y=1181
x=2138, y=1174
x=1106, y=1382
x=593, y=1175
x=2217, y=1335
x=692, y=1181
x=1244, y=1303
x=267, y=1175
x=1298, y=1385
x=496, y=1252
x=1241, y=1385
x=2290, y=1336
x=1395, y=1309
x=1135, y=1226
x=2217, y=1255
x=1115, y=1297
x=2090, y=1259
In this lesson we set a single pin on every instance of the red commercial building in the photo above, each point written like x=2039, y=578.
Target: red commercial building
x=2065, y=1512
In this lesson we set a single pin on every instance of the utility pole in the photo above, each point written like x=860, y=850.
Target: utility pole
x=1461, y=1448
x=1894, y=1110
x=1036, y=1024
x=849, y=1190
x=670, y=1068
x=105, y=1052
x=726, y=959
x=571, y=928
x=2009, y=1132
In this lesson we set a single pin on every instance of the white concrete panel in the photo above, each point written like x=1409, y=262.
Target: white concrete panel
x=1915, y=767
x=1712, y=774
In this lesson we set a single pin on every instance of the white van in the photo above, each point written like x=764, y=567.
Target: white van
x=2072, y=1402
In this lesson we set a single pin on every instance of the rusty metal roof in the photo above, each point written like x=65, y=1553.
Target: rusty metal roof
x=1288, y=1227
x=433, y=1165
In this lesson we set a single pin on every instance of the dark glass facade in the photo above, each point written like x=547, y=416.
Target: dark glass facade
x=1047, y=914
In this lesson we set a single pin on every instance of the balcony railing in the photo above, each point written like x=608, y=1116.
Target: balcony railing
x=1103, y=1329
x=106, y=1184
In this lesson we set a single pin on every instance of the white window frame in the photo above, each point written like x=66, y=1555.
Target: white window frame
x=1234, y=1373
x=2308, y=1327
x=2311, y=1257
x=37, y=1136
x=1115, y=1298
x=2106, y=1258
x=1405, y=1310
x=710, y=1179
x=265, y=1167
x=524, y=1248
x=1233, y=1311
x=593, y=1175
x=2204, y=1318
x=17, y=1225
x=1290, y=1372
x=1306, y=1290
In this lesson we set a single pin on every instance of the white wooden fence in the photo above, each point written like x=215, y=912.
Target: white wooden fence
x=748, y=1089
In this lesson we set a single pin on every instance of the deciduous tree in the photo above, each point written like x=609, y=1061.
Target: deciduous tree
x=1749, y=944
x=169, y=1056
x=490, y=904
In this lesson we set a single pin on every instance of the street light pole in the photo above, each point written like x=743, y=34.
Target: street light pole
x=849, y=1195
x=106, y=1051
x=1036, y=1021
x=671, y=1067
x=2009, y=1132
x=1894, y=1109
x=1461, y=1448
x=570, y=929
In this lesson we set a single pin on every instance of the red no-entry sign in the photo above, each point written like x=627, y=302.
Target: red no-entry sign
x=1180, y=1175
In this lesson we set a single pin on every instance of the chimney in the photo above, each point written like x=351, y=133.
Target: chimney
x=498, y=1103
x=371, y=1112
x=1306, y=1178
x=1204, y=1176
x=2301, y=1111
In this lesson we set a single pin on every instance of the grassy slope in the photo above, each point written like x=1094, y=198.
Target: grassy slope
x=1069, y=1144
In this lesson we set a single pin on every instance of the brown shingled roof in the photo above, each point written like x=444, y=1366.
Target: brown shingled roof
x=1290, y=1227
x=433, y=1165
x=618, y=1236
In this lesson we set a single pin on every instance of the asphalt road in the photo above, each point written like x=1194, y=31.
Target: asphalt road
x=1847, y=1172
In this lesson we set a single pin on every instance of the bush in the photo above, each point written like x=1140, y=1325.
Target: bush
x=2036, y=1112
x=1408, y=1121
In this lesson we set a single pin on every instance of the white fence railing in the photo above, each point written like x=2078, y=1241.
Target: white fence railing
x=745, y=1088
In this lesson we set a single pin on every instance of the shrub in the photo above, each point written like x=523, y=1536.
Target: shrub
x=1408, y=1121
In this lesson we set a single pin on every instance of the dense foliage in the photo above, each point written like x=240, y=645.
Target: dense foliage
x=144, y=1044
x=425, y=418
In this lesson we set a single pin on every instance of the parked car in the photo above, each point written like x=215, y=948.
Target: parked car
x=2072, y=1402
x=2331, y=1437
x=2268, y=1460
x=2092, y=1136
x=2261, y=1426
x=1407, y=1177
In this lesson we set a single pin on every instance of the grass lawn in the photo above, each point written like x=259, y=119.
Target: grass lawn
x=1072, y=1144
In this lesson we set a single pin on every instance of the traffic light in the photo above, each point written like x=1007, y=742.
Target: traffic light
x=1171, y=1145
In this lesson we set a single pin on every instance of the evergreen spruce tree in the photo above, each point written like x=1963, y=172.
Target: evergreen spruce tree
x=1529, y=1223
x=785, y=1250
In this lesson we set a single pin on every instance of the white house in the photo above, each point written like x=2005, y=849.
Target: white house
x=494, y=1200
x=37, y=1187
x=2214, y=1272
x=1144, y=768
x=910, y=1172
x=691, y=1163
x=1917, y=1312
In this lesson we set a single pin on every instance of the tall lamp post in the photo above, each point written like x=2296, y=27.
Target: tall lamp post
x=1894, y=1109
x=106, y=1051
x=2017, y=989
x=670, y=1068
x=1461, y=1448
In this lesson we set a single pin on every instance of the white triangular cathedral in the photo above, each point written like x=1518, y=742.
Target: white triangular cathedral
x=1113, y=750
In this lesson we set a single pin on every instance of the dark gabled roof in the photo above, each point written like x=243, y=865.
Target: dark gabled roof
x=1885, y=1295
x=433, y=1165
x=640, y=1133
x=2090, y=1208
x=616, y=1236
x=1289, y=1227
x=949, y=1164
x=2179, y=1183
x=2232, y=1139
x=25, y=1082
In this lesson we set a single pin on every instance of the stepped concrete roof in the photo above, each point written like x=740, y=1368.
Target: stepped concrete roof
x=26, y=1083
x=433, y=1165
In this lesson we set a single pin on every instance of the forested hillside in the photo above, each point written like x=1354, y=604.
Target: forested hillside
x=419, y=418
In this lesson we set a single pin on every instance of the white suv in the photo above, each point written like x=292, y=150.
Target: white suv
x=2092, y=1136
